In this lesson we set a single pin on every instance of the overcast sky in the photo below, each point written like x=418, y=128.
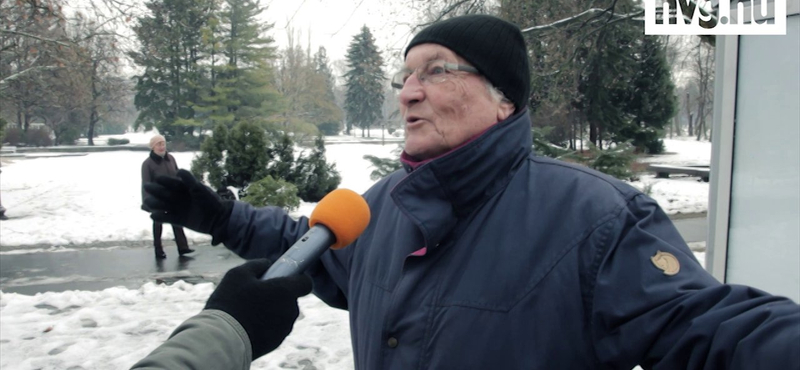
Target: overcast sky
x=329, y=23
x=333, y=23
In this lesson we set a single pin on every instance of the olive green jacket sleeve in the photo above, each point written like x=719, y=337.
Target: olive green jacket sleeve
x=210, y=340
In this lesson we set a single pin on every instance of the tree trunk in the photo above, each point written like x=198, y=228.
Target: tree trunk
x=95, y=95
x=92, y=121
x=700, y=129
x=676, y=122
x=572, y=133
x=599, y=138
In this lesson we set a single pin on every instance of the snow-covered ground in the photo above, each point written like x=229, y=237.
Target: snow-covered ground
x=61, y=203
x=67, y=201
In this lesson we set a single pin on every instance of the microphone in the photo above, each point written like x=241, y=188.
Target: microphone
x=339, y=218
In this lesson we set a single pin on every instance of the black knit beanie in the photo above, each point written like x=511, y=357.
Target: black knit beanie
x=493, y=46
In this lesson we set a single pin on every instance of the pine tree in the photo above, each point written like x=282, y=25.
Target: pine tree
x=606, y=85
x=327, y=116
x=283, y=158
x=171, y=40
x=652, y=102
x=364, y=96
x=247, y=157
x=211, y=158
x=314, y=176
x=272, y=192
x=385, y=166
x=215, y=98
x=249, y=54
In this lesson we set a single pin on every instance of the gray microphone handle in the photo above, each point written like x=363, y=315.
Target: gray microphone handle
x=305, y=251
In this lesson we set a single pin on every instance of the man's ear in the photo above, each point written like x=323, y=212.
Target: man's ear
x=504, y=110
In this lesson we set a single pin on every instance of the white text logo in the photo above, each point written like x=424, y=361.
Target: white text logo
x=756, y=17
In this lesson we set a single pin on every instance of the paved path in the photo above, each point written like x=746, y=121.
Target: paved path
x=97, y=269
x=100, y=268
x=693, y=229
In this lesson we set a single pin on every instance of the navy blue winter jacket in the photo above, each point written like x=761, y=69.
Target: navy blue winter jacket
x=530, y=263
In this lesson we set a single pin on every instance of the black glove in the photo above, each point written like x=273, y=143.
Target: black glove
x=266, y=309
x=184, y=201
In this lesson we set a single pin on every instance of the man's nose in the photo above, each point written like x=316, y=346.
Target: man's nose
x=412, y=91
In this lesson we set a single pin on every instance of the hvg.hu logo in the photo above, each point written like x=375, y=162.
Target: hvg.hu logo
x=733, y=17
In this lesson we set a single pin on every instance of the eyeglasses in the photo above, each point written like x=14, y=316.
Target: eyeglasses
x=433, y=72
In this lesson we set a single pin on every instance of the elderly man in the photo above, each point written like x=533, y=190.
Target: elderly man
x=161, y=163
x=481, y=255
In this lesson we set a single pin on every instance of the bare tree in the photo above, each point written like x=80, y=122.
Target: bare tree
x=99, y=57
x=704, y=67
x=49, y=60
x=698, y=91
x=30, y=38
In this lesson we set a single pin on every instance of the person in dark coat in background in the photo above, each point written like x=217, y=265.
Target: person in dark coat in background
x=161, y=163
x=482, y=255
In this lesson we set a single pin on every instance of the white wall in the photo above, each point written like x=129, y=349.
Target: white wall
x=754, y=210
x=764, y=236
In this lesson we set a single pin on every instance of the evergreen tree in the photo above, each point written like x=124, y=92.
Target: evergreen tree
x=283, y=158
x=314, y=176
x=327, y=115
x=272, y=192
x=248, y=156
x=170, y=36
x=652, y=100
x=385, y=166
x=212, y=158
x=364, y=96
x=216, y=96
x=605, y=87
x=249, y=52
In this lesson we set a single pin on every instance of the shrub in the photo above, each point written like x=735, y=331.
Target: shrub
x=543, y=146
x=13, y=136
x=247, y=157
x=617, y=161
x=113, y=141
x=67, y=135
x=212, y=158
x=329, y=128
x=648, y=140
x=38, y=137
x=314, y=176
x=385, y=166
x=271, y=192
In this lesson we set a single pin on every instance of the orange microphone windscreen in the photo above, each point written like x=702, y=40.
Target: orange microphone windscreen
x=345, y=213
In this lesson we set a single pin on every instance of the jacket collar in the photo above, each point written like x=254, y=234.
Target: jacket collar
x=439, y=192
x=157, y=158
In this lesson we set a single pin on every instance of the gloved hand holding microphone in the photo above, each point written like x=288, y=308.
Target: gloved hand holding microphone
x=263, y=304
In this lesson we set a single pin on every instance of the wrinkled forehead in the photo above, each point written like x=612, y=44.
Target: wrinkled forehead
x=423, y=53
